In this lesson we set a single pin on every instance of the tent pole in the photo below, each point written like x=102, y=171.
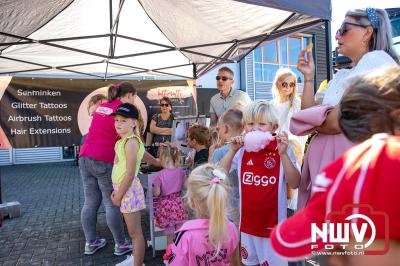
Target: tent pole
x=194, y=71
x=328, y=50
x=83, y=64
x=211, y=64
x=111, y=26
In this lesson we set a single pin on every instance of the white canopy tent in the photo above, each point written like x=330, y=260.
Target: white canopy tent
x=107, y=39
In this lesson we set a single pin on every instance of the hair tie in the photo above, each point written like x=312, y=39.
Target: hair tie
x=117, y=87
x=218, y=174
x=214, y=181
x=372, y=17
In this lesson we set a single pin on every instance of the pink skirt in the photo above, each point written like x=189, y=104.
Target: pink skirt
x=170, y=210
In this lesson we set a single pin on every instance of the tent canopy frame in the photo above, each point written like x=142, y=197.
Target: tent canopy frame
x=199, y=68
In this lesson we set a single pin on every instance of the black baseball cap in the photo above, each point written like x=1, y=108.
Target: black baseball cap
x=127, y=110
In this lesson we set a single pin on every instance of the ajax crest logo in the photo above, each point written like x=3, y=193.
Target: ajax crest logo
x=269, y=162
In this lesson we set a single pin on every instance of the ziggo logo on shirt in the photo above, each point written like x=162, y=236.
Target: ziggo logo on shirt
x=250, y=179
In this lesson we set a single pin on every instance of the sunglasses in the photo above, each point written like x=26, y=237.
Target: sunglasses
x=345, y=28
x=223, y=78
x=164, y=104
x=291, y=84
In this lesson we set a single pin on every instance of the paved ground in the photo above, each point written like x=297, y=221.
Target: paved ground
x=49, y=230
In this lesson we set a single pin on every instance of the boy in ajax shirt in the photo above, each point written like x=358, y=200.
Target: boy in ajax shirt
x=263, y=175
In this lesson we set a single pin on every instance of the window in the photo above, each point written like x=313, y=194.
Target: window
x=294, y=49
x=258, y=71
x=258, y=55
x=269, y=72
x=306, y=41
x=282, y=53
x=270, y=53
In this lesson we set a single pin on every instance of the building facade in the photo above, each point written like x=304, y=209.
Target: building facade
x=258, y=69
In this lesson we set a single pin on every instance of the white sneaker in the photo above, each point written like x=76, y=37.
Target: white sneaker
x=129, y=261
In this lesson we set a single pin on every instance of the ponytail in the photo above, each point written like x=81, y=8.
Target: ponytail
x=120, y=90
x=139, y=129
x=170, y=155
x=216, y=204
x=207, y=187
x=176, y=156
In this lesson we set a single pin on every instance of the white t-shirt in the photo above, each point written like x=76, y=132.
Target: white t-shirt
x=370, y=62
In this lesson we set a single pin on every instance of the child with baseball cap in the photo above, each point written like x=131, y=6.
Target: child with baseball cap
x=263, y=174
x=360, y=188
x=128, y=192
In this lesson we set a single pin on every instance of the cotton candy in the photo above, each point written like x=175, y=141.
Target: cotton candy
x=255, y=141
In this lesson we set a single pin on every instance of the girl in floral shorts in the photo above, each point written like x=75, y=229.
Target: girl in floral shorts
x=167, y=185
x=128, y=192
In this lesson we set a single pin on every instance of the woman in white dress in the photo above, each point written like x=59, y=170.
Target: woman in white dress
x=287, y=102
x=364, y=37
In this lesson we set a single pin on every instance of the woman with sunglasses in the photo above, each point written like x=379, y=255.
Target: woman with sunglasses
x=284, y=92
x=161, y=123
x=364, y=37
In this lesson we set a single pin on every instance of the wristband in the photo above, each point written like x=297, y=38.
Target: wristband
x=308, y=80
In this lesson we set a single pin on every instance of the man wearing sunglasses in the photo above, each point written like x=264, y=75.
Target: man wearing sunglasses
x=227, y=96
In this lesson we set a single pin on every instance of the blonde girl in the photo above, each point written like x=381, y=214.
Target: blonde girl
x=128, y=192
x=284, y=88
x=167, y=185
x=210, y=238
x=286, y=101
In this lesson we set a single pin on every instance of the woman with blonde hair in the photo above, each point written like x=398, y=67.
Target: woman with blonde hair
x=286, y=101
x=364, y=37
x=211, y=238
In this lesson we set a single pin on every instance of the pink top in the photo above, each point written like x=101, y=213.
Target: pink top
x=191, y=246
x=100, y=141
x=169, y=180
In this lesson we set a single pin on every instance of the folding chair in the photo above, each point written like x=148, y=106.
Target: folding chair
x=152, y=210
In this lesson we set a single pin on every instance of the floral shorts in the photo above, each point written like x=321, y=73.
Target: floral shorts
x=170, y=211
x=134, y=200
